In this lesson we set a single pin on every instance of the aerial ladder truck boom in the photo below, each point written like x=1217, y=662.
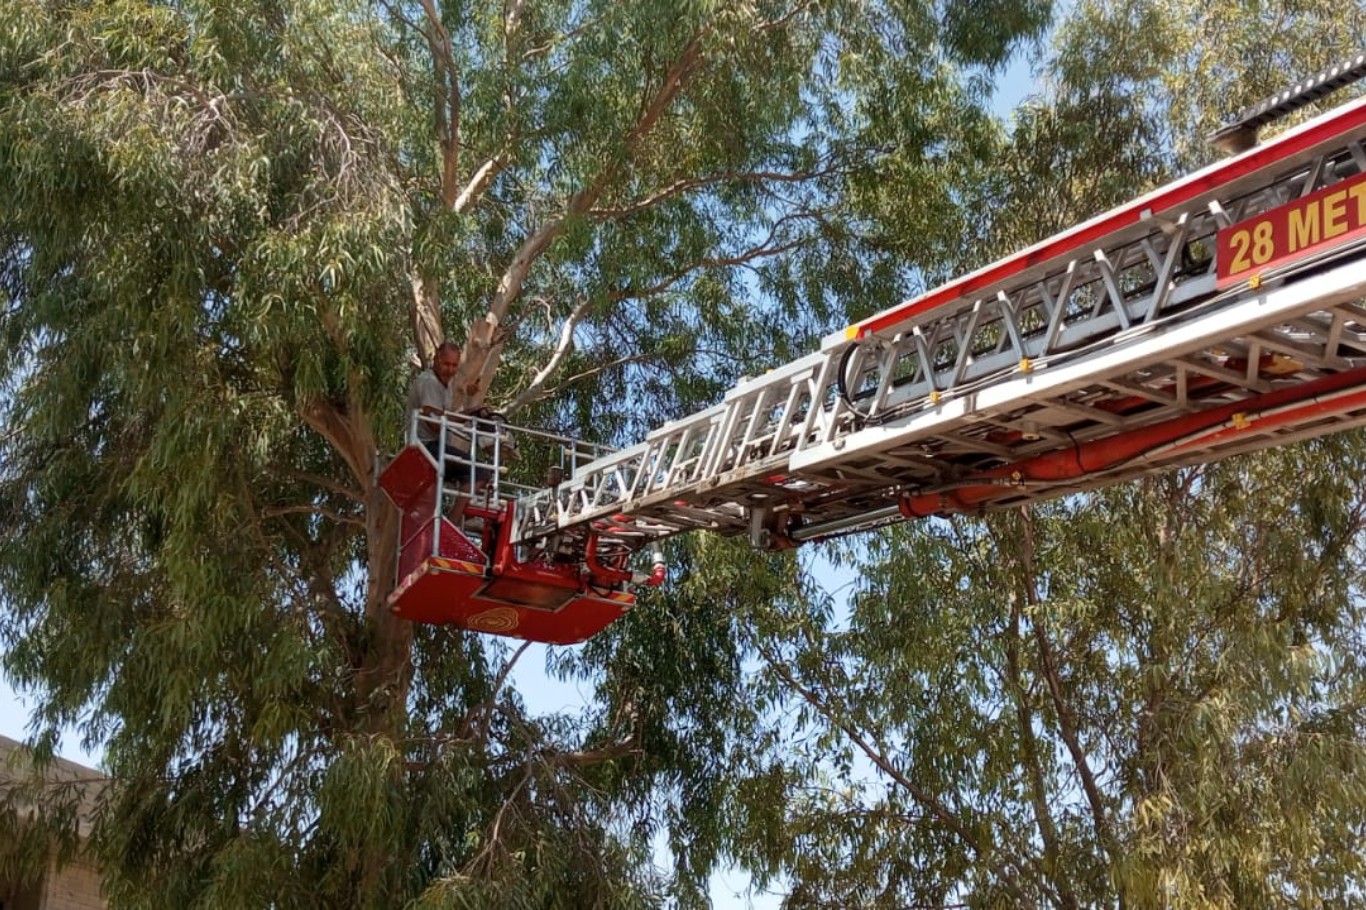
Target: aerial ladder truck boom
x=1222, y=313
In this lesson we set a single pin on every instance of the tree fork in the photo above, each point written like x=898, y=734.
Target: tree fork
x=484, y=345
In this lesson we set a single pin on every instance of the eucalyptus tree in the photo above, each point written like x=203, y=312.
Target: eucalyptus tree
x=227, y=231
x=1150, y=696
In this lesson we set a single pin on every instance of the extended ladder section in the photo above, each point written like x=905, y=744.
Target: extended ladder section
x=1222, y=313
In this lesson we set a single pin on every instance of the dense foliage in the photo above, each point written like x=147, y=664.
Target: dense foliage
x=229, y=229
x=1147, y=697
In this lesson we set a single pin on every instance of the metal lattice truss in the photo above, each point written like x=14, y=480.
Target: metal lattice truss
x=1114, y=330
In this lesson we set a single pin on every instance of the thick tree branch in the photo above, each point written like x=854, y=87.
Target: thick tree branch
x=328, y=484
x=425, y=315
x=386, y=671
x=531, y=396
x=313, y=509
x=481, y=356
x=585, y=757
x=446, y=104
x=344, y=425
x=679, y=187
x=512, y=20
x=478, y=182
x=563, y=346
x=447, y=113
x=325, y=420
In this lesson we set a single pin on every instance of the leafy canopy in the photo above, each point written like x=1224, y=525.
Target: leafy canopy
x=228, y=230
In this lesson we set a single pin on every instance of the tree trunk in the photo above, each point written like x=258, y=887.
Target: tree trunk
x=384, y=677
x=426, y=317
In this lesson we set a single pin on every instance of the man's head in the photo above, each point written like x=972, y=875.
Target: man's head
x=446, y=361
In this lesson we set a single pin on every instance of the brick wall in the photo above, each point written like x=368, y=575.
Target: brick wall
x=75, y=886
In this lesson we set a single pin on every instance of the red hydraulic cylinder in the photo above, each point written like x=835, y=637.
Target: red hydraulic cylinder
x=1282, y=407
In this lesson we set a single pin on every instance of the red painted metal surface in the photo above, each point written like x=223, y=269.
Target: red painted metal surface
x=602, y=573
x=410, y=482
x=445, y=591
x=1331, y=217
x=453, y=581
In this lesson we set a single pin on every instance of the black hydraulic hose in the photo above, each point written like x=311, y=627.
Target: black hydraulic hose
x=842, y=385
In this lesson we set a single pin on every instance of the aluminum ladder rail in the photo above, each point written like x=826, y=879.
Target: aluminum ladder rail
x=1024, y=357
